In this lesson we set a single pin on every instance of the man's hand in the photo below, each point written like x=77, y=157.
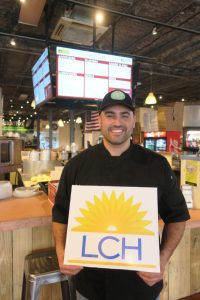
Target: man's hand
x=59, y=232
x=68, y=269
x=150, y=278
x=172, y=234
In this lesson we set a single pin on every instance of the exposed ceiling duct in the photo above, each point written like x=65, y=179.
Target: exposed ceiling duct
x=77, y=32
x=76, y=26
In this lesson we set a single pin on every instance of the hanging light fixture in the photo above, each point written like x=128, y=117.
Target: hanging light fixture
x=150, y=99
x=33, y=104
x=79, y=120
x=154, y=31
x=99, y=17
x=60, y=123
x=12, y=42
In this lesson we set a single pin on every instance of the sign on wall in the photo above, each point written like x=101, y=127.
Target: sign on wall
x=191, y=172
x=113, y=227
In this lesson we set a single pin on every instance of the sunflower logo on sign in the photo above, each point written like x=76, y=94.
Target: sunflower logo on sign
x=113, y=215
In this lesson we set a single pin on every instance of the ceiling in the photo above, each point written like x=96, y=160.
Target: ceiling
x=172, y=56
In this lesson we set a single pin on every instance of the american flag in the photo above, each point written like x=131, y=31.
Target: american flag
x=91, y=121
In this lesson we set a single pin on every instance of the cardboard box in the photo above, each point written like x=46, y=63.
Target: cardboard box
x=52, y=189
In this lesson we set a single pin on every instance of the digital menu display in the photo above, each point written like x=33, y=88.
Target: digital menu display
x=90, y=75
x=41, y=79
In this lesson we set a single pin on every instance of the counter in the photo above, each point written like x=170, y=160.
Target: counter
x=25, y=226
x=18, y=213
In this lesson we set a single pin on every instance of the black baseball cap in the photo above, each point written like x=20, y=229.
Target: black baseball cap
x=116, y=97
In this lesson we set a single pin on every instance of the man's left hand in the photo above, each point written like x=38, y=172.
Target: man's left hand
x=150, y=278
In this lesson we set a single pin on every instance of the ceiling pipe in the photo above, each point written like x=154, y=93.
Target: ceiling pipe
x=19, y=51
x=16, y=84
x=148, y=60
x=164, y=74
x=59, y=43
x=32, y=38
x=138, y=18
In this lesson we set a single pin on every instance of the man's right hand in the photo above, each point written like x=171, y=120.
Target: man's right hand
x=70, y=270
x=59, y=232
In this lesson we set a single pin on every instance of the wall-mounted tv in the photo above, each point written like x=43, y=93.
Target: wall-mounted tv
x=41, y=78
x=191, y=138
x=84, y=74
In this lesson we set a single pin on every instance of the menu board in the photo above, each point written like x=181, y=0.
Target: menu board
x=41, y=79
x=90, y=75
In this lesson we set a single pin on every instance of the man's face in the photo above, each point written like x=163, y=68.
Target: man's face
x=117, y=123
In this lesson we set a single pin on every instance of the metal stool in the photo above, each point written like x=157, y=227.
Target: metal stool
x=41, y=268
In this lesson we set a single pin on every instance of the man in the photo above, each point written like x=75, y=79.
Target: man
x=117, y=162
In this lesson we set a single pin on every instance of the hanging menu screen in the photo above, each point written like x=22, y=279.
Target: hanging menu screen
x=86, y=74
x=41, y=79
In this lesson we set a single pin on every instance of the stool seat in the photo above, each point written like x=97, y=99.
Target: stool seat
x=41, y=268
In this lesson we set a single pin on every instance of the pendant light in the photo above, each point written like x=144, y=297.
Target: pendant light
x=150, y=99
x=60, y=123
x=154, y=31
x=33, y=104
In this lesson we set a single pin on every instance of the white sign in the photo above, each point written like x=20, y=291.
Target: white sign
x=113, y=227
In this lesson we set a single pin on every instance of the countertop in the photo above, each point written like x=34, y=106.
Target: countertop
x=35, y=211
x=17, y=213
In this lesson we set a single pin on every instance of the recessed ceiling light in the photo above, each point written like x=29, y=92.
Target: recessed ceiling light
x=12, y=42
x=182, y=99
x=99, y=17
x=154, y=31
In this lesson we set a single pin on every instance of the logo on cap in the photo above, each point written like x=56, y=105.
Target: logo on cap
x=118, y=95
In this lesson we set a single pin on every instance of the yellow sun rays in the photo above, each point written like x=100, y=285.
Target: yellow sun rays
x=113, y=215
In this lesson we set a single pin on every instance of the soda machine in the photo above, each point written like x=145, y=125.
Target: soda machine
x=167, y=141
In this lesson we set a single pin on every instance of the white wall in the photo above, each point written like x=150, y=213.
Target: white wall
x=191, y=115
x=64, y=136
x=91, y=137
x=147, y=117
